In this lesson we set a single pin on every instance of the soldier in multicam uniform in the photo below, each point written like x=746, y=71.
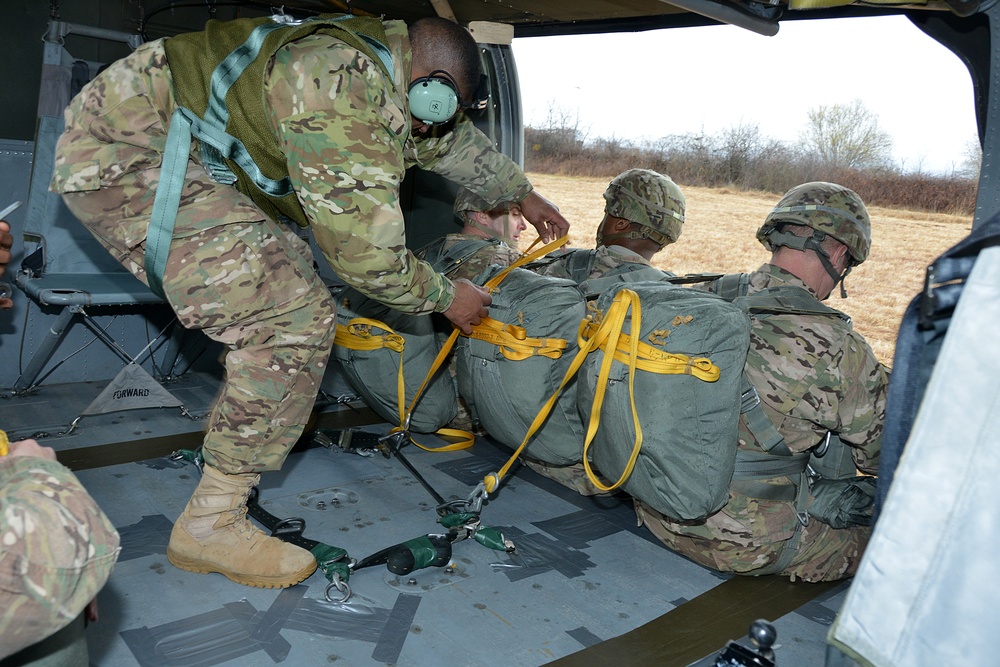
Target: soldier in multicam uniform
x=325, y=107
x=488, y=236
x=57, y=550
x=643, y=214
x=822, y=388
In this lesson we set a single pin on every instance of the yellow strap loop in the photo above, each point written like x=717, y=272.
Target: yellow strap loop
x=655, y=360
x=514, y=342
x=356, y=335
x=610, y=329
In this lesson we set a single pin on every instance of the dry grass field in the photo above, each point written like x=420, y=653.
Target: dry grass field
x=719, y=237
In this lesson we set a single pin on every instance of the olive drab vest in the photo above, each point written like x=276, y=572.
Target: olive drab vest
x=232, y=96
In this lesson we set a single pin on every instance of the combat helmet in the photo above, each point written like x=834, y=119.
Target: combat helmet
x=466, y=200
x=829, y=210
x=649, y=200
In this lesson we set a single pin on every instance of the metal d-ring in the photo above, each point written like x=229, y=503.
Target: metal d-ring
x=340, y=585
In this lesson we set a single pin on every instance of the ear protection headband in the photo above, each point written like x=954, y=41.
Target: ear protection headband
x=433, y=99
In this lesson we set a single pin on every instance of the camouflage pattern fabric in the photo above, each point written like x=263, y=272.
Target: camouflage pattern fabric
x=848, y=397
x=573, y=476
x=486, y=256
x=57, y=550
x=648, y=199
x=603, y=261
x=242, y=278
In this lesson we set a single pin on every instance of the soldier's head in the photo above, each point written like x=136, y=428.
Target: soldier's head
x=501, y=221
x=825, y=218
x=446, y=74
x=643, y=211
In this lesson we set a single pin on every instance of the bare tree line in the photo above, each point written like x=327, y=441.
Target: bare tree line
x=842, y=143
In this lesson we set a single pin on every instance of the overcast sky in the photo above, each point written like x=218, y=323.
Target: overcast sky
x=650, y=84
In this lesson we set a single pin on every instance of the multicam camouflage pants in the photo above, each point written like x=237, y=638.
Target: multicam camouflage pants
x=822, y=553
x=232, y=273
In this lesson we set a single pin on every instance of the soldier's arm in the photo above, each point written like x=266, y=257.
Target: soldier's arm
x=862, y=407
x=343, y=139
x=61, y=546
x=467, y=156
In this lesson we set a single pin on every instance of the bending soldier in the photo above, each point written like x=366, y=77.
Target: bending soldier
x=318, y=129
x=820, y=387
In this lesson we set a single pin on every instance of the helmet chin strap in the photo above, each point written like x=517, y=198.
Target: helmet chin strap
x=813, y=243
x=491, y=233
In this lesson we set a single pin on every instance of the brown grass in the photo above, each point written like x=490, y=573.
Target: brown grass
x=719, y=237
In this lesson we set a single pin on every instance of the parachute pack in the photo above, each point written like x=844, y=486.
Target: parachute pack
x=516, y=359
x=386, y=355
x=663, y=395
x=657, y=372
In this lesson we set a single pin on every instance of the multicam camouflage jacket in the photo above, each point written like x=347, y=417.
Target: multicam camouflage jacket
x=814, y=375
x=57, y=549
x=467, y=255
x=345, y=131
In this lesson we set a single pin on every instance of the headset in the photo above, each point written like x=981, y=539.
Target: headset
x=434, y=99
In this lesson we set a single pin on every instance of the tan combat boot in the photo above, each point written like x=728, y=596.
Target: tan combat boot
x=214, y=535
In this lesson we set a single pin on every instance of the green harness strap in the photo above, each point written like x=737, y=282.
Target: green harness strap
x=217, y=145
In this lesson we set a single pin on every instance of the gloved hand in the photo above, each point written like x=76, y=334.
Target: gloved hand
x=842, y=503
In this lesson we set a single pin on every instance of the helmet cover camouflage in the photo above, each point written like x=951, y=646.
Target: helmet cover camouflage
x=465, y=201
x=648, y=199
x=825, y=207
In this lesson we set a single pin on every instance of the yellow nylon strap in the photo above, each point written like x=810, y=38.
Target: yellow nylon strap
x=357, y=335
x=466, y=439
x=655, y=360
x=492, y=283
x=610, y=329
x=514, y=342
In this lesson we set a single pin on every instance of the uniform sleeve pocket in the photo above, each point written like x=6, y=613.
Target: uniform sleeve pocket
x=77, y=177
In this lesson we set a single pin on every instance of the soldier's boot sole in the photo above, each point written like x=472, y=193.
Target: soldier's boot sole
x=254, y=580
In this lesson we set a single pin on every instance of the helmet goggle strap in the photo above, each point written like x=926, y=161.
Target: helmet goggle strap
x=814, y=243
x=635, y=232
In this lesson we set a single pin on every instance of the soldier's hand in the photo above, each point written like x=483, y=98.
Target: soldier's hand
x=6, y=243
x=31, y=448
x=544, y=216
x=469, y=306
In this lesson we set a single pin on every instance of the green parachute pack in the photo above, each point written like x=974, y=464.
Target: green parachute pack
x=662, y=394
x=516, y=359
x=379, y=349
x=670, y=437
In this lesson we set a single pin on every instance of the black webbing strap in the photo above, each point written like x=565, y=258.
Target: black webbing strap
x=702, y=625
